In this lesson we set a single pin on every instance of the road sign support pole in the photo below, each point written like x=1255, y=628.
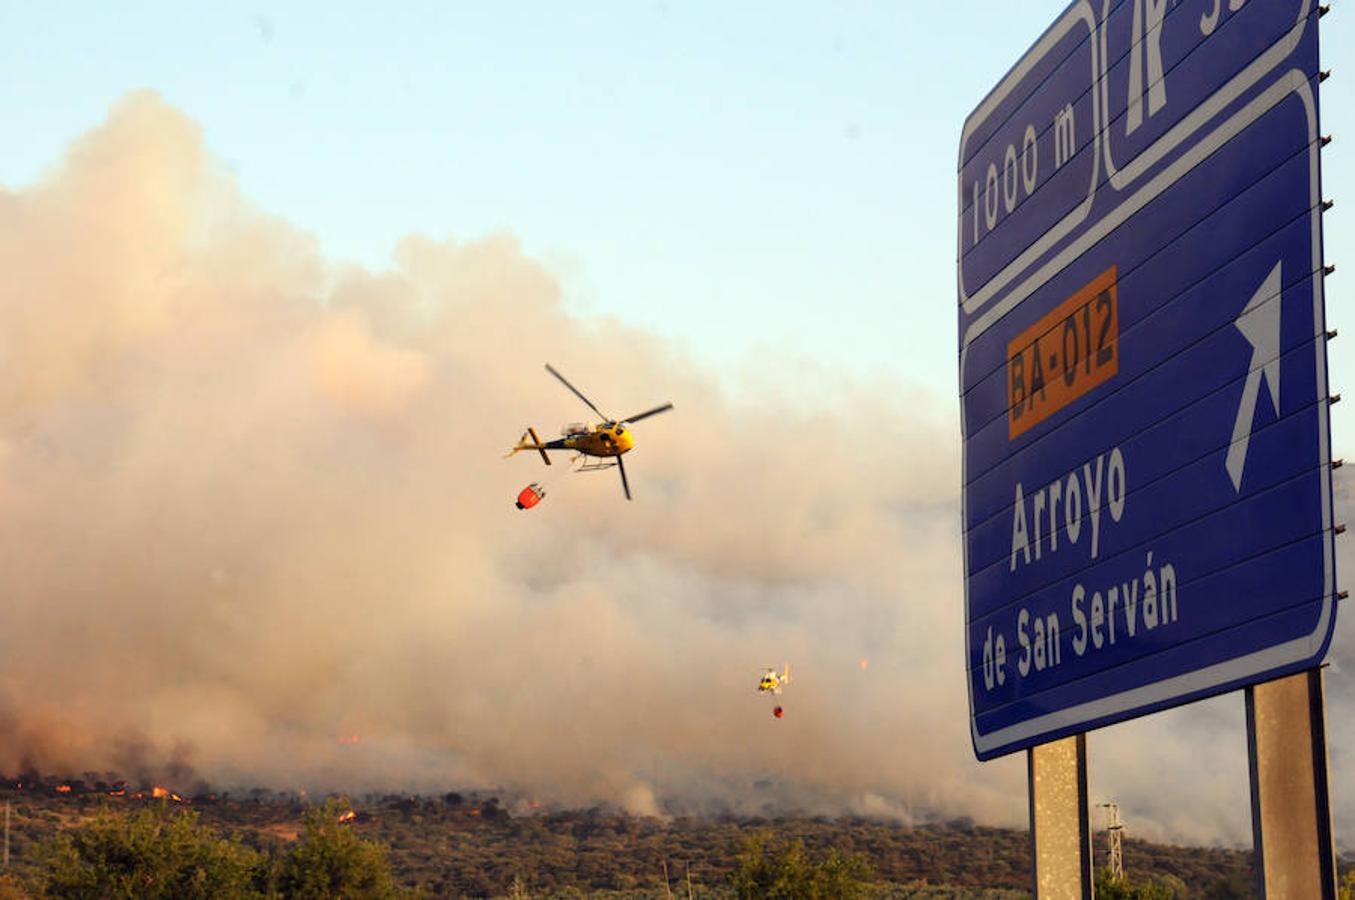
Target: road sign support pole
x=1060, y=819
x=1291, y=811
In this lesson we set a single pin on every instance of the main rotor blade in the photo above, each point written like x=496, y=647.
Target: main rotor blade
x=625, y=485
x=647, y=413
x=565, y=382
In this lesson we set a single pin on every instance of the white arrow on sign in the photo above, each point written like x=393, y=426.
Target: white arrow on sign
x=1260, y=325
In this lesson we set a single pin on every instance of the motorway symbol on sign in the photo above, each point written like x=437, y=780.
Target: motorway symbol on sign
x=1147, y=513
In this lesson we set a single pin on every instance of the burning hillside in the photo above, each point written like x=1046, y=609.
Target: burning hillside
x=472, y=844
x=117, y=788
x=283, y=476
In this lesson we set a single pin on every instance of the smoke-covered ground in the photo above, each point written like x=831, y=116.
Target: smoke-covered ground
x=254, y=508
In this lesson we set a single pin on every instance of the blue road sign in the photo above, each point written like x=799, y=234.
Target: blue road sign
x=1147, y=488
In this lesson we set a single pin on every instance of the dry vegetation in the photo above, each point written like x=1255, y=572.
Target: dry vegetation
x=473, y=845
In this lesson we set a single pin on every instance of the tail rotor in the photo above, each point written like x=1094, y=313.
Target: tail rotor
x=533, y=444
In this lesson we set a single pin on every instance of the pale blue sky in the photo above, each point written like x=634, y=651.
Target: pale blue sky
x=737, y=177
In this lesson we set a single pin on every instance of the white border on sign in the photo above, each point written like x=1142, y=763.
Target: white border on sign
x=1079, y=12
x=1164, y=179
x=1216, y=103
x=1243, y=667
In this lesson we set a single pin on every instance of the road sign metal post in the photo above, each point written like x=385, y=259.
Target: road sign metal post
x=1060, y=824
x=1291, y=812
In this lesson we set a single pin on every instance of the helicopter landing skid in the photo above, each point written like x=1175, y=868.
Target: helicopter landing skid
x=583, y=465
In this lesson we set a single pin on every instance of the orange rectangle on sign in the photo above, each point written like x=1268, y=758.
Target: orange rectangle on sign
x=1071, y=350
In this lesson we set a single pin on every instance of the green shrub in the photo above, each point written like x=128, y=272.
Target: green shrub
x=330, y=861
x=1108, y=887
x=150, y=854
x=782, y=870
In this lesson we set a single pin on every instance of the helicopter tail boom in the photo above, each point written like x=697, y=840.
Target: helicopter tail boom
x=533, y=444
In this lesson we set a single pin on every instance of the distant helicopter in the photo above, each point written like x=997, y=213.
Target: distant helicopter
x=773, y=683
x=605, y=441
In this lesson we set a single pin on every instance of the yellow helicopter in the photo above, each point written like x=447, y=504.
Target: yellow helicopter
x=772, y=683
x=605, y=441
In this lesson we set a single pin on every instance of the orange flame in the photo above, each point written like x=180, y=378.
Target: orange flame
x=164, y=793
x=347, y=817
x=63, y=788
x=120, y=792
x=350, y=739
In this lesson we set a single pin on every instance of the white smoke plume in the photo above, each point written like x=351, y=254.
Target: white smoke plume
x=253, y=508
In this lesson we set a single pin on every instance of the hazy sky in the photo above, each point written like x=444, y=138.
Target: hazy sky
x=733, y=176
x=743, y=181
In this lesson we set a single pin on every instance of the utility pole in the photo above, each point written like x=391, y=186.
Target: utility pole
x=1114, y=852
x=4, y=864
